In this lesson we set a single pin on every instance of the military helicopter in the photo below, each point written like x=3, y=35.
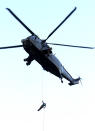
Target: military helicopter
x=40, y=51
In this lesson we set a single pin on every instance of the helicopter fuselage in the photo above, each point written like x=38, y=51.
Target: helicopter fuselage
x=42, y=54
x=39, y=50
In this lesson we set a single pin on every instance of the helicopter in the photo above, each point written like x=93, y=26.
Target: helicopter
x=40, y=51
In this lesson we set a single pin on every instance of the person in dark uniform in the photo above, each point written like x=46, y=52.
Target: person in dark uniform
x=42, y=106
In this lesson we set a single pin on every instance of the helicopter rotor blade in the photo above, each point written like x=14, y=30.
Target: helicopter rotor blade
x=61, y=23
x=20, y=21
x=85, y=47
x=8, y=47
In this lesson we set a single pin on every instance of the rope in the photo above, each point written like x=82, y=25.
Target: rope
x=42, y=84
x=43, y=124
x=42, y=95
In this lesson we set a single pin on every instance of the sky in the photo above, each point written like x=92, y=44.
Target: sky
x=22, y=88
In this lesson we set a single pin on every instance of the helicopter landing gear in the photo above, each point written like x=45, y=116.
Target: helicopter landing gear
x=61, y=78
x=28, y=60
x=61, y=81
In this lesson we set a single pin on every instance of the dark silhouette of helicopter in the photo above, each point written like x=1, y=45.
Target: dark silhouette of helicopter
x=40, y=51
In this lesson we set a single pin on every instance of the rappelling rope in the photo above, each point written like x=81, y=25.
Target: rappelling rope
x=42, y=84
x=43, y=124
x=42, y=97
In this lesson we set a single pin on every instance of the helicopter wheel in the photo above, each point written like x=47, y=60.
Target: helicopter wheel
x=61, y=81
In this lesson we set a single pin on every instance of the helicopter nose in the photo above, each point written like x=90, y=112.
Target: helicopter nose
x=24, y=43
x=23, y=40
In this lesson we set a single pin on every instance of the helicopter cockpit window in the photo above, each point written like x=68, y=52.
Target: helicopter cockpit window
x=38, y=40
x=33, y=37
